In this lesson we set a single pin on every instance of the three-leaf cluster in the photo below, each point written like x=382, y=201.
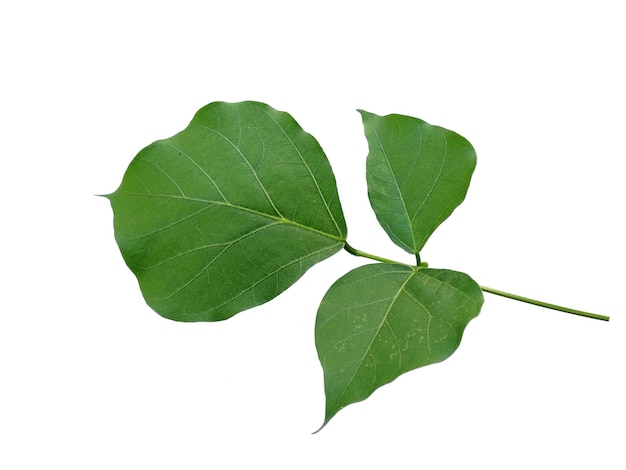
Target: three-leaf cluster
x=234, y=209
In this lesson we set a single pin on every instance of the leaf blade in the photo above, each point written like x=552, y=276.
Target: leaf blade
x=417, y=174
x=382, y=320
x=228, y=213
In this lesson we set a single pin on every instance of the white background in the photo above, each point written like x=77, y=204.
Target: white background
x=91, y=378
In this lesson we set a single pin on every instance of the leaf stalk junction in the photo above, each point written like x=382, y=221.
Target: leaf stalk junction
x=508, y=295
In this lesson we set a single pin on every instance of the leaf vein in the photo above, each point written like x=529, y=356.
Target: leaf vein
x=395, y=181
x=304, y=162
x=435, y=180
x=217, y=257
x=230, y=206
x=167, y=175
x=247, y=162
x=369, y=347
x=281, y=268
x=167, y=143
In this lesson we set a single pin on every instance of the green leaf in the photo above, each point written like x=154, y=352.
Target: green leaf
x=417, y=174
x=228, y=213
x=382, y=320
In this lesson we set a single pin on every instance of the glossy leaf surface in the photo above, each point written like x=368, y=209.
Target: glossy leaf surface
x=417, y=174
x=228, y=213
x=382, y=320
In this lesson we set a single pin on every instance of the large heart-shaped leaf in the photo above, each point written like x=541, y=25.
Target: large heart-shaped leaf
x=228, y=213
x=417, y=174
x=382, y=320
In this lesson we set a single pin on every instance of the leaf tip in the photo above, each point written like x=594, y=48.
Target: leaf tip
x=322, y=426
x=318, y=429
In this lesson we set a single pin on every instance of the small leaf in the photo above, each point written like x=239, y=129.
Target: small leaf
x=382, y=320
x=417, y=174
x=228, y=213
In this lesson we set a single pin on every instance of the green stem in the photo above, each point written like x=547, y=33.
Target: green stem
x=355, y=252
x=544, y=304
